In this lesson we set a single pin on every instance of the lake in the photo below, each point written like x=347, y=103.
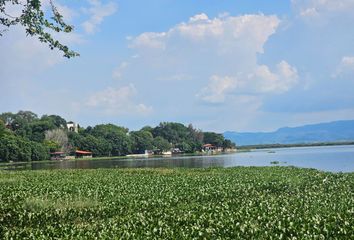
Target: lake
x=328, y=158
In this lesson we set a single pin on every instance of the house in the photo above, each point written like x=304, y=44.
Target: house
x=83, y=154
x=72, y=127
x=209, y=147
x=57, y=155
x=176, y=151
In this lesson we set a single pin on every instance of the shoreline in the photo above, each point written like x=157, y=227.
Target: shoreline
x=240, y=149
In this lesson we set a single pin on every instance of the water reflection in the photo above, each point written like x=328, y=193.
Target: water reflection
x=333, y=158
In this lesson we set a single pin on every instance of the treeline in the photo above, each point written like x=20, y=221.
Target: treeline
x=24, y=136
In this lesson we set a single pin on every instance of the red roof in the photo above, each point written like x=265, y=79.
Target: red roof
x=208, y=145
x=82, y=152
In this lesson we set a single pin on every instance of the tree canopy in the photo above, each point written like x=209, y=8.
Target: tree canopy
x=36, y=23
x=24, y=137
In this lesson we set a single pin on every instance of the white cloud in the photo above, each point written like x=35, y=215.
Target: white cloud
x=318, y=8
x=117, y=101
x=281, y=80
x=348, y=62
x=118, y=72
x=98, y=12
x=149, y=40
x=261, y=81
x=345, y=67
x=246, y=31
x=217, y=88
x=209, y=60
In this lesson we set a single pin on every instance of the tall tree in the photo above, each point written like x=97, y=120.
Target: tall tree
x=214, y=138
x=142, y=140
x=161, y=144
x=58, y=136
x=57, y=121
x=2, y=128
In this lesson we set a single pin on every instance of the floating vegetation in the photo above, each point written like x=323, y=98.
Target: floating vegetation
x=234, y=203
x=274, y=162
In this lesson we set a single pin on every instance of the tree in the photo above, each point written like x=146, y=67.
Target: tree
x=214, y=138
x=228, y=144
x=141, y=141
x=161, y=144
x=117, y=137
x=51, y=146
x=2, y=128
x=34, y=19
x=57, y=121
x=38, y=129
x=173, y=132
x=39, y=152
x=27, y=116
x=58, y=136
x=13, y=148
x=98, y=146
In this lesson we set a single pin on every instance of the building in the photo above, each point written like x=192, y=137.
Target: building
x=72, y=127
x=83, y=154
x=208, y=147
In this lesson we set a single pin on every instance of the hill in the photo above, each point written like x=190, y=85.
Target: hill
x=338, y=131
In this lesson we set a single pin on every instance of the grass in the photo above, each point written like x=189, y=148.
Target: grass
x=233, y=203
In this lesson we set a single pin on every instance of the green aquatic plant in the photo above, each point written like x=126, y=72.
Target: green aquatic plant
x=234, y=203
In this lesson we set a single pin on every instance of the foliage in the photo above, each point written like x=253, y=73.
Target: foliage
x=228, y=144
x=214, y=138
x=159, y=143
x=236, y=203
x=185, y=138
x=99, y=147
x=116, y=136
x=102, y=140
x=141, y=140
x=33, y=19
x=2, y=127
x=52, y=146
x=172, y=132
x=38, y=129
x=56, y=120
x=39, y=152
x=58, y=136
x=14, y=148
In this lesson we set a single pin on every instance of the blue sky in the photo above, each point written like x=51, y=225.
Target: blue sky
x=221, y=65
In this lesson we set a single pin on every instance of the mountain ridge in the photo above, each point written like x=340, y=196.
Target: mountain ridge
x=336, y=131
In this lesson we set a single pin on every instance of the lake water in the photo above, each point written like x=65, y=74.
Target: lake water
x=329, y=158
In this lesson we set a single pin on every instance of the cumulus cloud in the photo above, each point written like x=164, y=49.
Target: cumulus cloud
x=205, y=63
x=249, y=31
x=345, y=67
x=281, y=80
x=98, y=12
x=217, y=88
x=117, y=101
x=261, y=81
x=318, y=8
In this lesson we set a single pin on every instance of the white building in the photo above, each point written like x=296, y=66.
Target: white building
x=72, y=127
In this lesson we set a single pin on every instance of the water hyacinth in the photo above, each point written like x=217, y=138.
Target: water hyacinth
x=235, y=203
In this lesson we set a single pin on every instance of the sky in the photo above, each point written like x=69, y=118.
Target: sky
x=221, y=65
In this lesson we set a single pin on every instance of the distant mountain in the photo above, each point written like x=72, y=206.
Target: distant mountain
x=322, y=132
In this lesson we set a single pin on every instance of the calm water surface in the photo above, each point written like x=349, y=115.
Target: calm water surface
x=331, y=158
